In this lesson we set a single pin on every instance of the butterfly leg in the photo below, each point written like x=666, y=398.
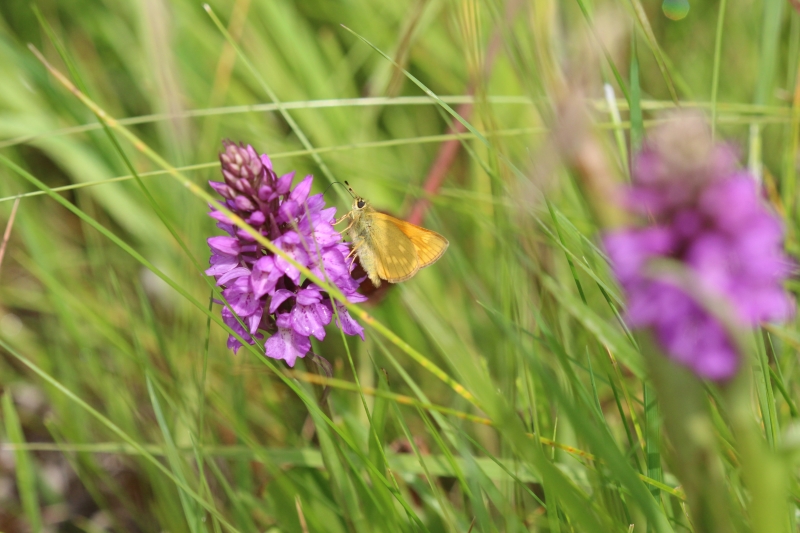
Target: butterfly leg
x=347, y=228
x=340, y=220
x=353, y=251
x=352, y=261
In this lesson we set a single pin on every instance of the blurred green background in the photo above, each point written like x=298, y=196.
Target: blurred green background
x=137, y=417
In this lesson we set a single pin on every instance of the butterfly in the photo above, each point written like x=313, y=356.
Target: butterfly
x=389, y=248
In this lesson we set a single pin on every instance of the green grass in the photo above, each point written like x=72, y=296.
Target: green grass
x=498, y=390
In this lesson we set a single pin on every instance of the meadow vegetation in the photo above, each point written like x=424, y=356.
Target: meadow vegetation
x=500, y=389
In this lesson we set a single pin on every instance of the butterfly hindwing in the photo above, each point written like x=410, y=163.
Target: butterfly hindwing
x=395, y=252
x=429, y=245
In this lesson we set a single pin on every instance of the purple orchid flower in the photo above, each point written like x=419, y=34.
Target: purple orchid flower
x=264, y=290
x=707, y=214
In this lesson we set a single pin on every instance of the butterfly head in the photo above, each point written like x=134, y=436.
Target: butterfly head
x=359, y=204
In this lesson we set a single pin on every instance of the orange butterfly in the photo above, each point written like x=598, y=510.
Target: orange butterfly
x=387, y=247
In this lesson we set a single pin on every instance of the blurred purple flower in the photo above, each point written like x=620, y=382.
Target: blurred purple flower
x=265, y=290
x=707, y=214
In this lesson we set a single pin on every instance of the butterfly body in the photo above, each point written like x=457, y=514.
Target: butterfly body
x=389, y=248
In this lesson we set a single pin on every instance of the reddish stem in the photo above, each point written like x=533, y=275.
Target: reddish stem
x=444, y=159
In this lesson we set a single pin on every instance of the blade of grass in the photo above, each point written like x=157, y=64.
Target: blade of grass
x=717, y=62
x=619, y=133
x=26, y=474
x=765, y=394
x=652, y=43
x=617, y=76
x=652, y=418
x=768, y=56
x=637, y=127
x=193, y=517
x=767, y=65
x=333, y=103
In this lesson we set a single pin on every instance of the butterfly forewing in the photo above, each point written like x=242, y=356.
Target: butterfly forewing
x=428, y=245
x=395, y=252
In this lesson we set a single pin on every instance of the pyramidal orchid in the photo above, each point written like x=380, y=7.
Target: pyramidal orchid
x=698, y=209
x=264, y=290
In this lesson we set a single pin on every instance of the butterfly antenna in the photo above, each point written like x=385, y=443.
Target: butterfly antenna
x=350, y=190
x=339, y=183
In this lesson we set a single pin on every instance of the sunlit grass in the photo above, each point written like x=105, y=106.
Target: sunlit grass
x=499, y=390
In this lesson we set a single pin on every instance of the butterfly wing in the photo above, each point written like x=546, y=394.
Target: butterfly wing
x=395, y=253
x=428, y=245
